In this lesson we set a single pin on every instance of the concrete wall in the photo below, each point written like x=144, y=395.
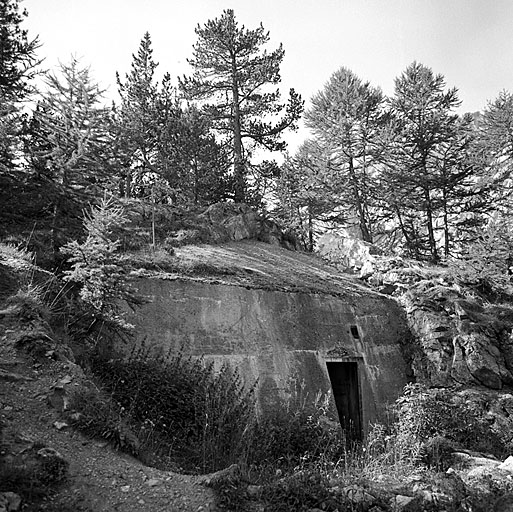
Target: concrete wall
x=278, y=337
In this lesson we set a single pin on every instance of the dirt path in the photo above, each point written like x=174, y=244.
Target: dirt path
x=100, y=478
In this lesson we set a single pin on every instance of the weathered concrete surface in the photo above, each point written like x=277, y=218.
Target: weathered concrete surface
x=282, y=338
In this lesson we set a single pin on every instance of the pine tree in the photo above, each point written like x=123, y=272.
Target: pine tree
x=162, y=144
x=137, y=118
x=236, y=76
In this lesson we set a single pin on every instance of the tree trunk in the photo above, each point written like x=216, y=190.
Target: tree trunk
x=359, y=206
x=238, y=164
x=431, y=232
x=447, y=240
x=412, y=248
x=310, y=229
x=429, y=214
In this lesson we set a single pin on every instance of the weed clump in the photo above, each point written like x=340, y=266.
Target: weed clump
x=425, y=414
x=182, y=412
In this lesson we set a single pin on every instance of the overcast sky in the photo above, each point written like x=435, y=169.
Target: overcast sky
x=469, y=41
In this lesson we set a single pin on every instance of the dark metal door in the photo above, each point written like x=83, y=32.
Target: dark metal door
x=344, y=382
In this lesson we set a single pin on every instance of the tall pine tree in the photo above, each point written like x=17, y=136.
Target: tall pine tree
x=236, y=78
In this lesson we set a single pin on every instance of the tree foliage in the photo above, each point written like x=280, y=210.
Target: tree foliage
x=18, y=59
x=236, y=77
x=346, y=118
x=162, y=144
x=68, y=146
x=96, y=265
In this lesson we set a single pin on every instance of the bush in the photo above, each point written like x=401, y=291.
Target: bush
x=297, y=432
x=182, y=407
x=425, y=413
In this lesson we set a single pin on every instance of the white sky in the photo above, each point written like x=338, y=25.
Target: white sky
x=469, y=41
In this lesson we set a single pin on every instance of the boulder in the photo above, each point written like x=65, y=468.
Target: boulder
x=348, y=253
x=466, y=461
x=9, y=502
x=234, y=222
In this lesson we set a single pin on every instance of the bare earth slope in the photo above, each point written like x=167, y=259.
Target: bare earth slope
x=99, y=478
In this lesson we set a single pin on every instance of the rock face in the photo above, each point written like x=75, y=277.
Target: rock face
x=460, y=339
x=348, y=253
x=225, y=222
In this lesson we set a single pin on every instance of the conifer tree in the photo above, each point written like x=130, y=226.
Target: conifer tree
x=304, y=197
x=346, y=118
x=18, y=65
x=423, y=120
x=96, y=266
x=69, y=145
x=161, y=143
x=236, y=78
x=137, y=118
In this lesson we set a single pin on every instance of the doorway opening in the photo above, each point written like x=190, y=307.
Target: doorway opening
x=346, y=392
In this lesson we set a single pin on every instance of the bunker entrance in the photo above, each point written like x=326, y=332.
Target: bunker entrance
x=344, y=382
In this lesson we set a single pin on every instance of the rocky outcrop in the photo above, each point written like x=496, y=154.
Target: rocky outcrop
x=235, y=222
x=460, y=337
x=348, y=253
x=219, y=223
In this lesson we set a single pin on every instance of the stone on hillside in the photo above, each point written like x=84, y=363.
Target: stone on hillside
x=401, y=502
x=58, y=398
x=462, y=460
x=507, y=465
x=234, y=222
x=358, y=495
x=348, y=253
x=227, y=475
x=54, y=465
x=13, y=377
x=9, y=502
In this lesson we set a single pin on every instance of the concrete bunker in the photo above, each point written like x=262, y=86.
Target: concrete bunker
x=291, y=319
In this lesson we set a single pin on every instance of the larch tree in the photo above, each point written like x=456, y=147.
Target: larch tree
x=496, y=138
x=69, y=145
x=235, y=78
x=346, y=117
x=424, y=120
x=302, y=192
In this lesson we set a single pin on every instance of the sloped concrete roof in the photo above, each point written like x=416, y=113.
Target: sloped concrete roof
x=259, y=265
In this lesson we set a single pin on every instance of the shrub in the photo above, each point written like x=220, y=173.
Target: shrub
x=96, y=266
x=197, y=415
x=297, y=432
x=428, y=413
